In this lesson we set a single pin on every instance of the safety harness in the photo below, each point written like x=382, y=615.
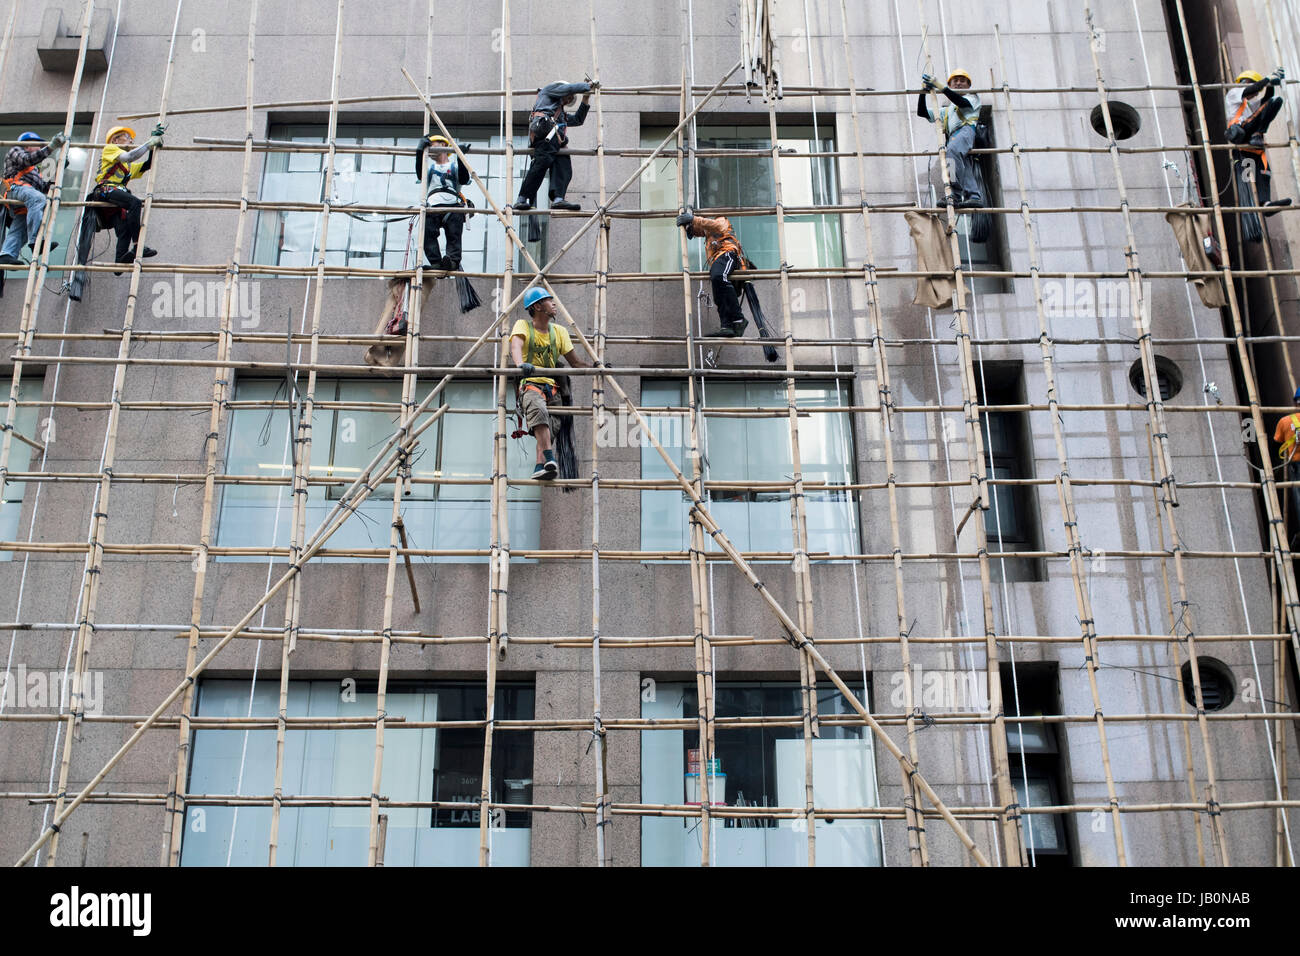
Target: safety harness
x=1257, y=151
x=548, y=392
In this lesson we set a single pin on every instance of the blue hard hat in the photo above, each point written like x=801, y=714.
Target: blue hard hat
x=29, y=136
x=535, y=295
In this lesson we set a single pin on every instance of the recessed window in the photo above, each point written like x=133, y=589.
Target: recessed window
x=1169, y=378
x=1217, y=683
x=1123, y=118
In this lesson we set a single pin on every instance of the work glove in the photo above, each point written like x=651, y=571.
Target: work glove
x=528, y=369
x=158, y=130
x=686, y=218
x=58, y=139
x=464, y=147
x=929, y=82
x=1278, y=76
x=153, y=142
x=595, y=85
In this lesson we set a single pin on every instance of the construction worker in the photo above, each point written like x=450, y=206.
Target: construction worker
x=538, y=343
x=443, y=178
x=1248, y=117
x=26, y=188
x=723, y=252
x=118, y=165
x=547, y=134
x=1285, y=434
x=959, y=120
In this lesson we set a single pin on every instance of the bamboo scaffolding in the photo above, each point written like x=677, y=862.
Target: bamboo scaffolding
x=390, y=470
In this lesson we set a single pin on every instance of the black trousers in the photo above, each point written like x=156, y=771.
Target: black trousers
x=724, y=293
x=546, y=159
x=125, y=224
x=453, y=224
x=1257, y=124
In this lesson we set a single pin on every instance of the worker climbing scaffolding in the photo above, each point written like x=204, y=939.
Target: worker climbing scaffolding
x=959, y=119
x=1250, y=107
x=26, y=188
x=538, y=343
x=1285, y=434
x=548, y=133
x=444, y=177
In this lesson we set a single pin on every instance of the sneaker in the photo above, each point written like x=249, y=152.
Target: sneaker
x=522, y=205
x=10, y=261
x=971, y=201
x=148, y=253
x=565, y=205
x=446, y=263
x=738, y=328
x=545, y=471
x=1279, y=204
x=726, y=332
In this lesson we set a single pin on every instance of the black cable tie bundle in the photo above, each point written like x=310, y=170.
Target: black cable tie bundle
x=1213, y=807
x=100, y=514
x=54, y=828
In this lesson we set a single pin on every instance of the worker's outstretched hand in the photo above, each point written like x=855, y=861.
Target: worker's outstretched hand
x=158, y=130
x=1278, y=76
x=527, y=368
x=686, y=218
x=595, y=85
x=928, y=82
x=58, y=139
x=464, y=147
x=153, y=142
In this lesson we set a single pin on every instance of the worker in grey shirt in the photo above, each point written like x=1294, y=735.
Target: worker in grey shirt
x=547, y=135
x=959, y=120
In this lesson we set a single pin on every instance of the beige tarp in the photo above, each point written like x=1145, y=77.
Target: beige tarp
x=933, y=255
x=1190, y=228
x=389, y=354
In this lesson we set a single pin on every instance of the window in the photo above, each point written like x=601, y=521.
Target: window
x=1011, y=521
x=730, y=181
x=429, y=764
x=1037, y=766
x=75, y=181
x=26, y=423
x=752, y=449
x=983, y=243
x=291, y=238
x=344, y=440
x=759, y=767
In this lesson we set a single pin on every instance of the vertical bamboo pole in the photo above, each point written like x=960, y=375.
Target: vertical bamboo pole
x=93, y=574
x=7, y=44
x=918, y=851
x=303, y=440
x=499, y=573
x=798, y=510
x=216, y=416
x=604, y=855
x=1009, y=816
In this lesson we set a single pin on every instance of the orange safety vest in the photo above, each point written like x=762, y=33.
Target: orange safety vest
x=8, y=185
x=1236, y=118
x=1288, y=446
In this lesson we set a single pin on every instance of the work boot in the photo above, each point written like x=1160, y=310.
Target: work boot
x=522, y=205
x=1279, y=203
x=565, y=205
x=738, y=327
x=971, y=201
x=10, y=261
x=447, y=264
x=32, y=246
x=726, y=332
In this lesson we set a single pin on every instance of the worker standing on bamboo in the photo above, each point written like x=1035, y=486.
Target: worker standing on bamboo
x=547, y=134
x=538, y=343
x=1285, y=434
x=959, y=120
x=25, y=187
x=444, y=178
x=118, y=165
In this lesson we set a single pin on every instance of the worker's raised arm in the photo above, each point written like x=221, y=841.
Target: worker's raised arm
x=957, y=99
x=577, y=118
x=923, y=108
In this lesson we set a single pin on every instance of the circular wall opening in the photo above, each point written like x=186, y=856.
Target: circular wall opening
x=1169, y=378
x=1123, y=117
x=1217, y=683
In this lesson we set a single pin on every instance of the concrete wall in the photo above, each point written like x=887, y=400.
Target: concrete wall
x=1046, y=45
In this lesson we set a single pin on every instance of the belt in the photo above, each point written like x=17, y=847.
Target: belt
x=548, y=391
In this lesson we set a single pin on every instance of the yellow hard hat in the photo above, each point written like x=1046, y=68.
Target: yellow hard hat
x=1249, y=76
x=118, y=129
x=436, y=139
x=956, y=73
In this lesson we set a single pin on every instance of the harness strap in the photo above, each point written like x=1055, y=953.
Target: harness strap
x=1288, y=446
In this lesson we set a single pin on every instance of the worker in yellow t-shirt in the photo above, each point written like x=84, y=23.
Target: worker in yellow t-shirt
x=121, y=162
x=1285, y=434
x=537, y=343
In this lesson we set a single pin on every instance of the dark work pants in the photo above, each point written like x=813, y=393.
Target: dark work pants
x=453, y=224
x=126, y=226
x=724, y=293
x=546, y=159
x=1257, y=124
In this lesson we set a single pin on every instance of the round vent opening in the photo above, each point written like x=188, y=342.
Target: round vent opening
x=1218, y=688
x=1169, y=378
x=1123, y=118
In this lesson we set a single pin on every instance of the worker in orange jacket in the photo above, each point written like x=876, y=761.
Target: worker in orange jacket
x=725, y=256
x=1285, y=434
